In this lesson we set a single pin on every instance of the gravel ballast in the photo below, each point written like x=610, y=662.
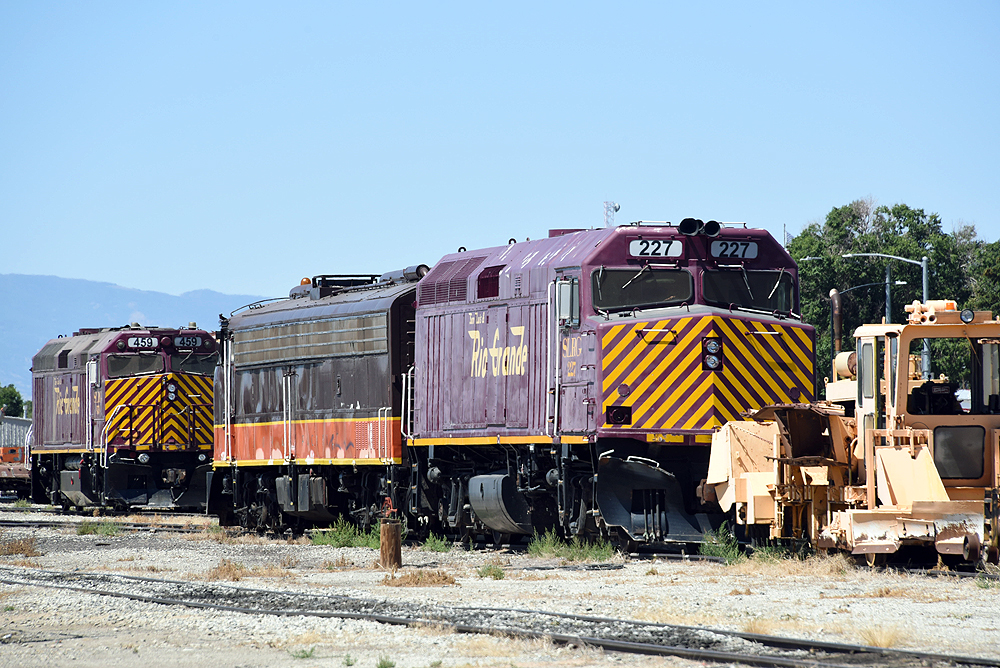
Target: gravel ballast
x=821, y=599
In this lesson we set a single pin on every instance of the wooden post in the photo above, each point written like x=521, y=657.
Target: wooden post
x=390, y=544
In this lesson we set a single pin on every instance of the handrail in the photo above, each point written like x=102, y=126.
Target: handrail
x=104, y=432
x=406, y=420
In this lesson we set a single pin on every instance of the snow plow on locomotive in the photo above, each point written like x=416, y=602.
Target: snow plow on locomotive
x=123, y=418
x=569, y=383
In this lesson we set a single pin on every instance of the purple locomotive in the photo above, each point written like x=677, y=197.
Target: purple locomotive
x=575, y=381
x=569, y=383
x=123, y=417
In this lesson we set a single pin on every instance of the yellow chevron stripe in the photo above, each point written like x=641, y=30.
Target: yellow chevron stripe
x=744, y=373
x=698, y=420
x=683, y=390
x=626, y=341
x=638, y=346
x=762, y=357
x=687, y=368
x=673, y=352
x=769, y=344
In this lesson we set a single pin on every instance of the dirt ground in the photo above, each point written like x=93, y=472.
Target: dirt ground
x=825, y=598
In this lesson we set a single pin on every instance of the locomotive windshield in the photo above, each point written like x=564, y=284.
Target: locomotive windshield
x=761, y=290
x=191, y=363
x=135, y=364
x=615, y=289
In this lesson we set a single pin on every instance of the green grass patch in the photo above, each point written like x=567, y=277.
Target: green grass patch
x=349, y=661
x=722, y=543
x=303, y=653
x=88, y=528
x=436, y=544
x=385, y=662
x=345, y=534
x=549, y=544
x=22, y=503
x=490, y=571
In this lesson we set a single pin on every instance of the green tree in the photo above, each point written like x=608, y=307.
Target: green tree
x=10, y=401
x=863, y=227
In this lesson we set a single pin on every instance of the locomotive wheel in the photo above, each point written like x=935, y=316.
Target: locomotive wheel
x=499, y=539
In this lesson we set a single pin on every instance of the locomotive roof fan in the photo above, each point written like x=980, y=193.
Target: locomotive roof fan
x=693, y=226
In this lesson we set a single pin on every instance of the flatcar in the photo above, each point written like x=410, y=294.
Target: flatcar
x=569, y=383
x=123, y=418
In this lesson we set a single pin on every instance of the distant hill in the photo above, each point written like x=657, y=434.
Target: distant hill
x=34, y=309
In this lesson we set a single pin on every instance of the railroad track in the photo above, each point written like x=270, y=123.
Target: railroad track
x=695, y=643
x=122, y=526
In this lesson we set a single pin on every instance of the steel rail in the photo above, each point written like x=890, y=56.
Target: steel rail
x=855, y=651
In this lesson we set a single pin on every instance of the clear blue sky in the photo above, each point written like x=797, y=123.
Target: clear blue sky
x=241, y=146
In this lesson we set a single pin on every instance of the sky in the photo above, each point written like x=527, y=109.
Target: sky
x=240, y=146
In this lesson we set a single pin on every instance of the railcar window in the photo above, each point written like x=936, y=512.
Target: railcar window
x=630, y=288
x=203, y=364
x=762, y=290
x=133, y=365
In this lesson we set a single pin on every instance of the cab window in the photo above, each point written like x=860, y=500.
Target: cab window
x=615, y=289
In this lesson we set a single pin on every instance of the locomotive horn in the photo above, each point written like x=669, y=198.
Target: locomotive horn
x=690, y=226
x=712, y=228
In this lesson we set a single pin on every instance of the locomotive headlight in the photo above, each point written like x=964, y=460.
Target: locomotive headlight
x=120, y=345
x=171, y=387
x=967, y=316
x=712, y=362
x=202, y=457
x=144, y=458
x=171, y=396
x=713, y=346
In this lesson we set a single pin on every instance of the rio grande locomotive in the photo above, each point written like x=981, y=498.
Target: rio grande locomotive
x=123, y=418
x=570, y=383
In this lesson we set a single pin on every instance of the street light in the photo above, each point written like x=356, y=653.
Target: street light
x=925, y=361
x=834, y=324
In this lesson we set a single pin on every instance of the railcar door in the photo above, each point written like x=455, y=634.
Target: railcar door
x=574, y=369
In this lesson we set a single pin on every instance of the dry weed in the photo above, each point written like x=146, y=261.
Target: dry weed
x=26, y=563
x=758, y=625
x=419, y=579
x=535, y=575
x=881, y=636
x=227, y=570
x=741, y=592
x=435, y=630
x=886, y=592
x=234, y=571
x=341, y=562
x=481, y=646
x=662, y=615
x=288, y=561
x=835, y=566
x=27, y=547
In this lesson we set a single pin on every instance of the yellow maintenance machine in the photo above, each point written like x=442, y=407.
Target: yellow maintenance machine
x=895, y=457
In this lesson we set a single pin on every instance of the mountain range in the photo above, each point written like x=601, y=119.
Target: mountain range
x=34, y=309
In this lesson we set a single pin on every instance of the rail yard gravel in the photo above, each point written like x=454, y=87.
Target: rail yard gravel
x=824, y=599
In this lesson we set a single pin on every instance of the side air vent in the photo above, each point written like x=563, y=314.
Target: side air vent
x=448, y=283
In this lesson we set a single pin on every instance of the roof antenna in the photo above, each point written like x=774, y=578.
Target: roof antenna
x=610, y=208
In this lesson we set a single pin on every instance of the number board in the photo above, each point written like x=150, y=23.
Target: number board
x=737, y=250
x=142, y=341
x=655, y=248
x=187, y=341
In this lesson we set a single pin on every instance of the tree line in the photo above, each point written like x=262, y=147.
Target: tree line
x=961, y=267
